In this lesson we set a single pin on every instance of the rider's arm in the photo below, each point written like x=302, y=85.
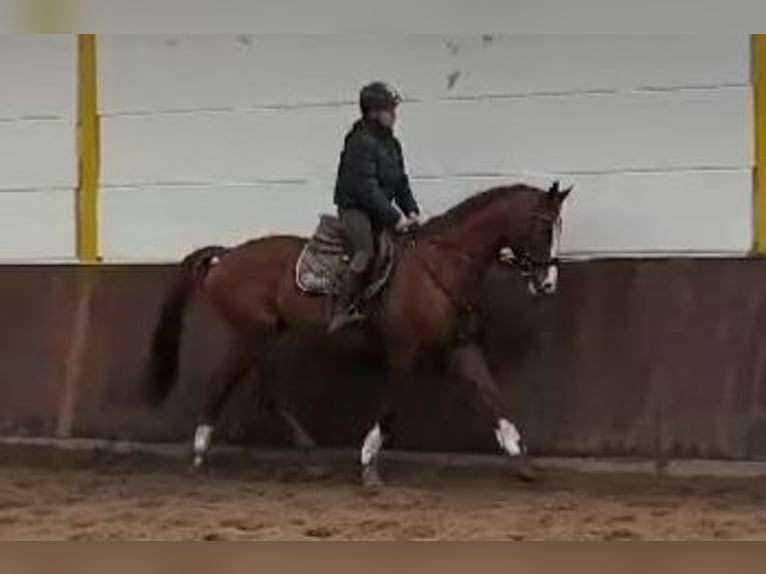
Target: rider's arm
x=404, y=197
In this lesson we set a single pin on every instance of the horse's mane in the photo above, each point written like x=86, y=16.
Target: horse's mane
x=476, y=202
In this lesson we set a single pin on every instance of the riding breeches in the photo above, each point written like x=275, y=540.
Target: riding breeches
x=360, y=234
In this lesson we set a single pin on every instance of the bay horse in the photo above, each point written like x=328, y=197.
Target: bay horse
x=425, y=307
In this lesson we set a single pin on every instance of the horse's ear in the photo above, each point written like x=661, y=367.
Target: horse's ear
x=564, y=194
x=554, y=190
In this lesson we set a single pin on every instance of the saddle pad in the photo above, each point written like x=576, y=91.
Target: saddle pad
x=320, y=263
x=321, y=258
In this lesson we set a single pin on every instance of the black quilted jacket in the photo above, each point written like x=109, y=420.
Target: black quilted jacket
x=372, y=176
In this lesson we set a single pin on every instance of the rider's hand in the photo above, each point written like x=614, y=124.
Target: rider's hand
x=414, y=220
x=403, y=225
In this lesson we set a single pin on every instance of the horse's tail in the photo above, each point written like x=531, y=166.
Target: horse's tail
x=166, y=340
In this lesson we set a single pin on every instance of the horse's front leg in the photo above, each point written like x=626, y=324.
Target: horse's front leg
x=469, y=364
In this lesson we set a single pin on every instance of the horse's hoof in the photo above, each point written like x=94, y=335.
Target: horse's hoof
x=371, y=478
x=525, y=471
x=316, y=471
x=197, y=466
x=304, y=442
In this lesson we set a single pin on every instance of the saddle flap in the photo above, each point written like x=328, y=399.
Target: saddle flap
x=324, y=255
x=328, y=236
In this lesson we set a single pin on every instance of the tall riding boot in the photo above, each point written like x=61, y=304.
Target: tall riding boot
x=343, y=313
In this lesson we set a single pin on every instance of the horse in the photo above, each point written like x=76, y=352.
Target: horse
x=426, y=307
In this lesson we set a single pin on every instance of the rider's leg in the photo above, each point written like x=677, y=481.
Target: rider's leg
x=359, y=233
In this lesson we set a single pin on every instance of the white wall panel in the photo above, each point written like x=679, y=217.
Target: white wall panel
x=223, y=147
x=524, y=64
x=37, y=154
x=151, y=73
x=37, y=225
x=165, y=223
x=633, y=214
x=626, y=131
x=697, y=212
x=213, y=139
x=39, y=76
x=660, y=130
x=630, y=214
x=38, y=160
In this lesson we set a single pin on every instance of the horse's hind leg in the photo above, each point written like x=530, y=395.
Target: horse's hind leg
x=401, y=365
x=237, y=363
x=470, y=365
x=301, y=437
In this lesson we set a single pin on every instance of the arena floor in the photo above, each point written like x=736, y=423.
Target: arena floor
x=53, y=495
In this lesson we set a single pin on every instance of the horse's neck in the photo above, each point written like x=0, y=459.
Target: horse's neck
x=466, y=250
x=477, y=235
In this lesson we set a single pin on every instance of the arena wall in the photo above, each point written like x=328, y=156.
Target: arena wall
x=38, y=152
x=652, y=348
x=213, y=139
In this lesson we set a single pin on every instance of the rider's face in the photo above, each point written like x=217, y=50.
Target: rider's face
x=387, y=118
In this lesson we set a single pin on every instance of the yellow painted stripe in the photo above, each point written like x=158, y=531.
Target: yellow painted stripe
x=89, y=145
x=759, y=75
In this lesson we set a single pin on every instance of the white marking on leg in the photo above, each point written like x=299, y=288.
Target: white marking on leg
x=508, y=437
x=372, y=445
x=202, y=438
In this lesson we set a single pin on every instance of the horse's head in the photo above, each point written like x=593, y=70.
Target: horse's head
x=534, y=248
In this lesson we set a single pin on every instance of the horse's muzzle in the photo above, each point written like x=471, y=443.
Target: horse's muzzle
x=551, y=282
x=544, y=286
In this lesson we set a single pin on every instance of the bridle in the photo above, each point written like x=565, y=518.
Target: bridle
x=468, y=325
x=524, y=262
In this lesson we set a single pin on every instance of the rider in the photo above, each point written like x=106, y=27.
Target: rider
x=371, y=175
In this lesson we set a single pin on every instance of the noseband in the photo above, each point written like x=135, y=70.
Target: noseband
x=525, y=263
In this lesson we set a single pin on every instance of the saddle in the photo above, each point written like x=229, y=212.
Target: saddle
x=323, y=261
